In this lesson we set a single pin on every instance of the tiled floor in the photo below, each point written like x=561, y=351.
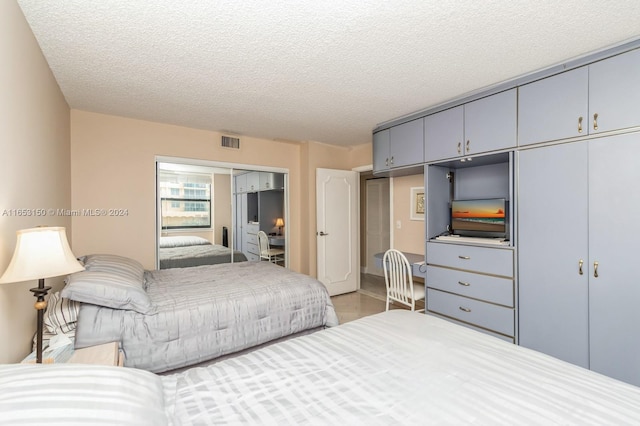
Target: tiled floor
x=369, y=300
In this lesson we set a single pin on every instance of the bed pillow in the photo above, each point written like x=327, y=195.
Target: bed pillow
x=183, y=241
x=61, y=314
x=108, y=289
x=114, y=264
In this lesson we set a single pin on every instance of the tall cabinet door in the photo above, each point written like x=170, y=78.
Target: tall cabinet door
x=381, y=150
x=614, y=291
x=614, y=92
x=554, y=108
x=552, y=240
x=490, y=123
x=406, y=144
x=444, y=134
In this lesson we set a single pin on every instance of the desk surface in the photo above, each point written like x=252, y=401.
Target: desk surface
x=418, y=268
x=276, y=240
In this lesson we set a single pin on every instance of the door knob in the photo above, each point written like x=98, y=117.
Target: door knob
x=322, y=234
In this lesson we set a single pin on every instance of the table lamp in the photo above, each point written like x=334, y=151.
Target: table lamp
x=279, y=224
x=40, y=253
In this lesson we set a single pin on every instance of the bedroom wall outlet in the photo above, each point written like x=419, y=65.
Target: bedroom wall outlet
x=398, y=224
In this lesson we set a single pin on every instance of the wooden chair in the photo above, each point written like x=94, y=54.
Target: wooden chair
x=266, y=252
x=399, y=280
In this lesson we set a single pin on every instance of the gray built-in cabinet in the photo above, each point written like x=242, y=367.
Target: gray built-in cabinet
x=592, y=99
x=579, y=289
x=400, y=146
x=484, y=125
x=559, y=144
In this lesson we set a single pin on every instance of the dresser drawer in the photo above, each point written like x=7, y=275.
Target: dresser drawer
x=251, y=238
x=253, y=249
x=252, y=228
x=487, y=260
x=481, y=314
x=252, y=257
x=483, y=287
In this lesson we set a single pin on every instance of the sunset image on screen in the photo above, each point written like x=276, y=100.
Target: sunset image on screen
x=478, y=215
x=479, y=209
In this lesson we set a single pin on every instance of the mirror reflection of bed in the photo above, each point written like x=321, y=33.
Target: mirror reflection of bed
x=209, y=214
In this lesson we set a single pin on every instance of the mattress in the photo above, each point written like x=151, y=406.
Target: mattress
x=397, y=367
x=188, y=256
x=209, y=311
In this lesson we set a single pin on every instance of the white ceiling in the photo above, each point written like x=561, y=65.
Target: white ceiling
x=326, y=71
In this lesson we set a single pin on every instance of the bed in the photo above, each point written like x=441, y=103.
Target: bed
x=186, y=251
x=398, y=367
x=172, y=318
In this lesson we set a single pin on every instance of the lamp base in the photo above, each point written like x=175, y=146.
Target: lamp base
x=40, y=292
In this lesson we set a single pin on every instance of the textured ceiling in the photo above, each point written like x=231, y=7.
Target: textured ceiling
x=326, y=71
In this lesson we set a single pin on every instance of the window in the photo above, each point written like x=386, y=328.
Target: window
x=185, y=199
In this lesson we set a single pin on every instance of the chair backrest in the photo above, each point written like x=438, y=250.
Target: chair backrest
x=398, y=277
x=263, y=243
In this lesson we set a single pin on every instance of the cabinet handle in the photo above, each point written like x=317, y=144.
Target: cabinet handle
x=386, y=162
x=464, y=257
x=468, y=147
x=392, y=160
x=579, y=124
x=464, y=283
x=595, y=269
x=463, y=309
x=595, y=121
x=459, y=148
x=580, y=263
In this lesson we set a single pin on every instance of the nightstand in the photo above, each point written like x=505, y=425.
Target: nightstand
x=105, y=354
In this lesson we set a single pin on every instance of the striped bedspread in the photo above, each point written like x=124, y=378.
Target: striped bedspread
x=392, y=368
x=398, y=368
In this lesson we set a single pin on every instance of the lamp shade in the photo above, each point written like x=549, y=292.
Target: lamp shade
x=279, y=222
x=41, y=253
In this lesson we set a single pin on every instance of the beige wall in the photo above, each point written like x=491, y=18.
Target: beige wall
x=113, y=166
x=113, y=161
x=410, y=237
x=34, y=142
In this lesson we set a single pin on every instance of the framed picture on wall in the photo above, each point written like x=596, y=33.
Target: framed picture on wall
x=417, y=203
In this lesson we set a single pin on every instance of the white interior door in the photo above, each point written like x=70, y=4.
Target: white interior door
x=337, y=230
x=377, y=222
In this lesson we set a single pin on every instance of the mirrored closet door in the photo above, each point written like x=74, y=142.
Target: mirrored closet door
x=209, y=213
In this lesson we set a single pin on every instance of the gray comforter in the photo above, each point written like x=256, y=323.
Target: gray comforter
x=207, y=312
x=187, y=256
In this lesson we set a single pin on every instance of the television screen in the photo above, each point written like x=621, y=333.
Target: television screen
x=479, y=218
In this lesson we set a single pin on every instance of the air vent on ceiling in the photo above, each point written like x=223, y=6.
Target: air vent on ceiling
x=230, y=142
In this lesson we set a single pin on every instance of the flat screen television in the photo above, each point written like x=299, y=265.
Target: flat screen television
x=480, y=218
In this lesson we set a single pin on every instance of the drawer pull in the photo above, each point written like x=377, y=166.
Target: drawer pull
x=464, y=283
x=463, y=309
x=464, y=257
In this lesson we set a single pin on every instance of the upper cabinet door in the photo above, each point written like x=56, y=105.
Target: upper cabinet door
x=381, y=151
x=554, y=108
x=490, y=123
x=444, y=134
x=614, y=93
x=406, y=146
